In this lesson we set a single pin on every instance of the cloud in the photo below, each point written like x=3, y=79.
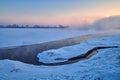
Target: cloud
x=112, y=22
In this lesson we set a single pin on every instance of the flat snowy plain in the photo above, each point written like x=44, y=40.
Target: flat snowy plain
x=24, y=36
x=105, y=65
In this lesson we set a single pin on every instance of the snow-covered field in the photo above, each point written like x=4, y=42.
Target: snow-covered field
x=104, y=65
x=15, y=37
x=64, y=53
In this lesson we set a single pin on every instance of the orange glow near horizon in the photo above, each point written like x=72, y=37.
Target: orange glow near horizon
x=54, y=13
x=64, y=20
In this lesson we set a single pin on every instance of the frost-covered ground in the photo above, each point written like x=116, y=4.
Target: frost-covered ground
x=104, y=65
x=15, y=37
x=64, y=53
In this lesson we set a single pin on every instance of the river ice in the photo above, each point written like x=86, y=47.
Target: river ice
x=105, y=65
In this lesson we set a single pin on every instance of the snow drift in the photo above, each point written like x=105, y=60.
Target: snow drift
x=102, y=66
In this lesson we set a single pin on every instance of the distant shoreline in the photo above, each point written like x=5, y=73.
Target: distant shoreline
x=35, y=27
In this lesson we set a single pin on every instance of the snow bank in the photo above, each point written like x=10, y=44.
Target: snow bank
x=28, y=53
x=102, y=66
x=64, y=53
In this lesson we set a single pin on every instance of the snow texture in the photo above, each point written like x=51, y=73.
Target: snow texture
x=16, y=37
x=63, y=54
x=104, y=65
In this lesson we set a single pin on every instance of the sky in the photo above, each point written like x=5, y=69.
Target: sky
x=55, y=12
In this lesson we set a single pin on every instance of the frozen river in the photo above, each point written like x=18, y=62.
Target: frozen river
x=25, y=36
x=105, y=65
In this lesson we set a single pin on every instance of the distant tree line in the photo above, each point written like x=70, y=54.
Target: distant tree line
x=35, y=26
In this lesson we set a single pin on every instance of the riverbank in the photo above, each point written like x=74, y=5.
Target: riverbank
x=28, y=53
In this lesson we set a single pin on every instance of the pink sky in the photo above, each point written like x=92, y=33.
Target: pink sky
x=66, y=12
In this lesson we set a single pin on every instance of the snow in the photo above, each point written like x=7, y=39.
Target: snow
x=64, y=53
x=16, y=37
x=104, y=65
